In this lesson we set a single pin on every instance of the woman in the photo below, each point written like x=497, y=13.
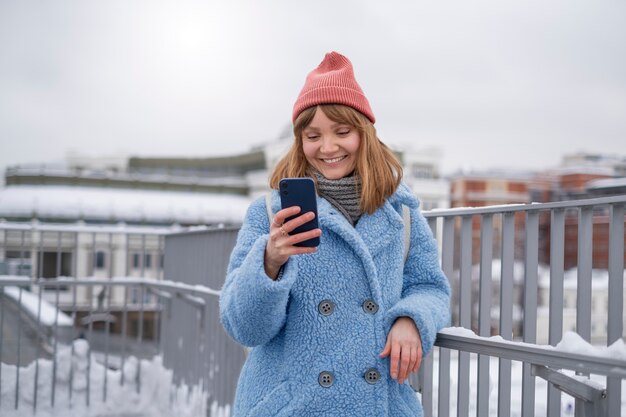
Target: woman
x=335, y=330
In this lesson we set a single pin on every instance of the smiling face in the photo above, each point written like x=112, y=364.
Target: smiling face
x=330, y=147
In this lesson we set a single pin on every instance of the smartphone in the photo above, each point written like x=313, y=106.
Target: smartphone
x=300, y=192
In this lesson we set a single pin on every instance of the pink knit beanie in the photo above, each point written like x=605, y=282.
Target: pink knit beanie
x=332, y=82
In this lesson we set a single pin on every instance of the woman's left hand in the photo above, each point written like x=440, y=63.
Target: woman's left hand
x=405, y=347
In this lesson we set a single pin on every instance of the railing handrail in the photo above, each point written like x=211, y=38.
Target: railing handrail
x=6, y=280
x=545, y=355
x=513, y=208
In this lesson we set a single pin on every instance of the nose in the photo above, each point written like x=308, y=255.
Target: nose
x=328, y=145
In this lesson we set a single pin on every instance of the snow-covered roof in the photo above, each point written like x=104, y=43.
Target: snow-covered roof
x=120, y=205
x=504, y=174
x=607, y=183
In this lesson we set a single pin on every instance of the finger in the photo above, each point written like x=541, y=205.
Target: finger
x=301, y=237
x=280, y=216
x=413, y=362
x=298, y=221
x=420, y=356
x=395, y=360
x=386, y=350
x=405, y=361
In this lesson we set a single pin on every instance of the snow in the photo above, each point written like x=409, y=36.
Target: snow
x=158, y=396
x=496, y=270
x=599, y=279
x=48, y=312
x=113, y=205
x=573, y=343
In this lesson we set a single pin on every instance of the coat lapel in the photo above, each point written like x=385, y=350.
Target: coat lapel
x=380, y=228
x=334, y=221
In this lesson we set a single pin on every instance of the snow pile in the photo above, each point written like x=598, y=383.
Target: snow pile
x=158, y=397
x=46, y=312
x=573, y=343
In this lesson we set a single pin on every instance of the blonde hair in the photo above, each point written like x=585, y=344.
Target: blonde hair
x=377, y=166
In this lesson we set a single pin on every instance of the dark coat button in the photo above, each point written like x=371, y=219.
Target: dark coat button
x=326, y=379
x=370, y=306
x=326, y=307
x=372, y=376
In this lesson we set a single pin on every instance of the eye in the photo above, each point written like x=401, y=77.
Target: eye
x=343, y=131
x=312, y=137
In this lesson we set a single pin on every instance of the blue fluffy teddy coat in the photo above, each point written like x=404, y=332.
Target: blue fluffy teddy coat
x=318, y=331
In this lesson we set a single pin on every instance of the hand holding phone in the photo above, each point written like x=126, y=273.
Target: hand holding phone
x=300, y=192
x=294, y=230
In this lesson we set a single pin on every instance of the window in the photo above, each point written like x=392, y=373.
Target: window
x=17, y=262
x=55, y=265
x=136, y=260
x=147, y=260
x=100, y=260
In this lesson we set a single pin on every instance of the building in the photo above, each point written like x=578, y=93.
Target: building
x=581, y=176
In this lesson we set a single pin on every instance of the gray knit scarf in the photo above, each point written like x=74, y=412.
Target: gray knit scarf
x=344, y=194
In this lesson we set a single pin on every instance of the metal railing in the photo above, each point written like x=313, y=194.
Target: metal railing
x=111, y=350
x=470, y=228
x=188, y=312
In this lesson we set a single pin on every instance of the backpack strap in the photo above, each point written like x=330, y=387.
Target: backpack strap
x=406, y=217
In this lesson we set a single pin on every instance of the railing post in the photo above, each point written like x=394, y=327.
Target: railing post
x=447, y=265
x=506, y=311
x=465, y=313
x=530, y=307
x=555, y=331
x=484, y=319
x=425, y=375
x=615, y=325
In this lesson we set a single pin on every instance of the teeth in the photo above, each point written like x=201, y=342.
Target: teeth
x=330, y=161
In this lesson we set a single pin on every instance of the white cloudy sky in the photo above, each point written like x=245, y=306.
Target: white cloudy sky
x=491, y=83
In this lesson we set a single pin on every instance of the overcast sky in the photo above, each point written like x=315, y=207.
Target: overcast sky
x=491, y=83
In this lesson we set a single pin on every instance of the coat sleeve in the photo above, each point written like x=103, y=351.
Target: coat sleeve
x=252, y=305
x=425, y=288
